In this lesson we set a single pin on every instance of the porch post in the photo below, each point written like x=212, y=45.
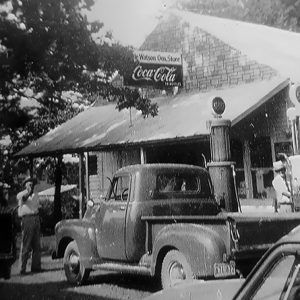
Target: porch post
x=87, y=177
x=81, y=184
x=143, y=156
x=31, y=166
x=296, y=137
x=247, y=169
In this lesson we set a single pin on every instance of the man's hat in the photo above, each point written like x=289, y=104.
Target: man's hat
x=278, y=166
x=29, y=179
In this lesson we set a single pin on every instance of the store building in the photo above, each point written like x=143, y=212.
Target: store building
x=243, y=63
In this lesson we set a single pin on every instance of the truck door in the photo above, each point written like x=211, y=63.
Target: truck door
x=112, y=220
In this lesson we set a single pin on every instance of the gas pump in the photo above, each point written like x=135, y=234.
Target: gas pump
x=293, y=162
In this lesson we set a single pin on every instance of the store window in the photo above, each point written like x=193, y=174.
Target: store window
x=119, y=189
x=261, y=156
x=92, y=164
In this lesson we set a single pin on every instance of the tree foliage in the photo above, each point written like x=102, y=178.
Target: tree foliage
x=49, y=50
x=284, y=14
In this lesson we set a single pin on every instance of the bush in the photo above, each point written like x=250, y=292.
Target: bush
x=69, y=208
x=46, y=211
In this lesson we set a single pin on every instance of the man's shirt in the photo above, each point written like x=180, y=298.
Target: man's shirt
x=280, y=186
x=29, y=206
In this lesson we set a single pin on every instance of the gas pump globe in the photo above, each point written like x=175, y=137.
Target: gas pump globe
x=294, y=93
x=218, y=106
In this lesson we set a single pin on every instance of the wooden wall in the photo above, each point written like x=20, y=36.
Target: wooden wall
x=108, y=162
x=269, y=122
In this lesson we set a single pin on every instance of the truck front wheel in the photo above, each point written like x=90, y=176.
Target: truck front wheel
x=175, y=268
x=75, y=272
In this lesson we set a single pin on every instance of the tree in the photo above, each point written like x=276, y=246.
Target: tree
x=277, y=13
x=49, y=51
x=46, y=49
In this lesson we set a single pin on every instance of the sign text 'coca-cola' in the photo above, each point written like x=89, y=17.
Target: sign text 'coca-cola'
x=157, y=69
x=156, y=75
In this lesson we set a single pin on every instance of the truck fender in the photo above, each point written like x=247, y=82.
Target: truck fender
x=201, y=245
x=84, y=235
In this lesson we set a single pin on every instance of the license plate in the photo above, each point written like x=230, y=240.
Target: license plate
x=224, y=269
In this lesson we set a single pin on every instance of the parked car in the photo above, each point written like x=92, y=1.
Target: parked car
x=275, y=276
x=8, y=240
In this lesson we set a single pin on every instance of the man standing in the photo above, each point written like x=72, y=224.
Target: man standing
x=282, y=188
x=29, y=212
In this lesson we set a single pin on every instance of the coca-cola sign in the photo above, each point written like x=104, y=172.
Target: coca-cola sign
x=158, y=69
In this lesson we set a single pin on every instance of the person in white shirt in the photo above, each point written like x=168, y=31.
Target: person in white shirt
x=282, y=188
x=28, y=211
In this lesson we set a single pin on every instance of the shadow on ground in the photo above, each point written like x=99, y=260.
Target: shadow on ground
x=46, y=290
x=103, y=286
x=127, y=281
x=52, y=284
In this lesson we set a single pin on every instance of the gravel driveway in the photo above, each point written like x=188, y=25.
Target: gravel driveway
x=52, y=284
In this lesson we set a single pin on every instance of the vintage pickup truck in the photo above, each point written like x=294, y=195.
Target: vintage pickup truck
x=162, y=220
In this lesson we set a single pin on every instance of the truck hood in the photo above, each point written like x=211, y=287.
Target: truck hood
x=198, y=290
x=72, y=223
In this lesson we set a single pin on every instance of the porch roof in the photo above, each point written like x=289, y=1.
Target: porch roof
x=51, y=191
x=183, y=116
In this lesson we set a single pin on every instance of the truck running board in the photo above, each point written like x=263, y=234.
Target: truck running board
x=132, y=269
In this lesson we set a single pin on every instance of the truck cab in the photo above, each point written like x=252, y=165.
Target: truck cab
x=148, y=190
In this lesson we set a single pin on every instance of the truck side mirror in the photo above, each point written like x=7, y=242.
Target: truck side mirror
x=102, y=197
x=153, y=194
x=222, y=203
x=90, y=203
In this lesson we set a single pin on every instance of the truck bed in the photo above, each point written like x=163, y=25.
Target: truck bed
x=257, y=232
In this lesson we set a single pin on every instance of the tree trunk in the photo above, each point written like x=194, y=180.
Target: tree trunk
x=57, y=215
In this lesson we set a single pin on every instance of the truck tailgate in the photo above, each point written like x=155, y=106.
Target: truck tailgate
x=257, y=232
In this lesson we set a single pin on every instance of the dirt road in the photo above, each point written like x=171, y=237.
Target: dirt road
x=52, y=284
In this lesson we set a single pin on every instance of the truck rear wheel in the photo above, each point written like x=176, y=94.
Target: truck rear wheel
x=175, y=268
x=75, y=272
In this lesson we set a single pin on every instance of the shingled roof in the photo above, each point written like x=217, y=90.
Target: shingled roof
x=267, y=45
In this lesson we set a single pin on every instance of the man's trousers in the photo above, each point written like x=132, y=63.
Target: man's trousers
x=30, y=242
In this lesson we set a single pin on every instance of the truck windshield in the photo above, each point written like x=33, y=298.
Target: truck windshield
x=183, y=183
x=119, y=188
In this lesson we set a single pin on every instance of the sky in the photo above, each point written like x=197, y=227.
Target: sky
x=129, y=20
